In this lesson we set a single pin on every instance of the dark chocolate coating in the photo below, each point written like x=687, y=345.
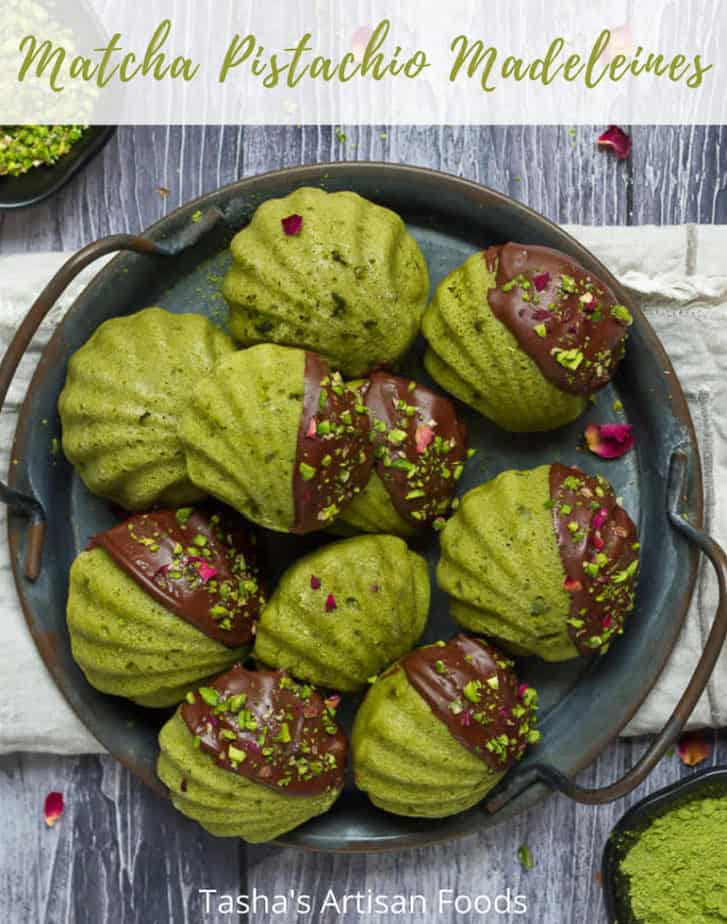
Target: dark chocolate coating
x=573, y=327
x=199, y=563
x=420, y=446
x=599, y=554
x=285, y=730
x=334, y=455
x=472, y=688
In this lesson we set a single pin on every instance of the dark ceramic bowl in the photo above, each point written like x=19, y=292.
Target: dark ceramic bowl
x=37, y=184
x=178, y=264
x=705, y=783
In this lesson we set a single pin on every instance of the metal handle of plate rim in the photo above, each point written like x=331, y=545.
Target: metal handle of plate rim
x=26, y=504
x=669, y=735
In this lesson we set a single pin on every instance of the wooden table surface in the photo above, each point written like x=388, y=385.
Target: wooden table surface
x=122, y=856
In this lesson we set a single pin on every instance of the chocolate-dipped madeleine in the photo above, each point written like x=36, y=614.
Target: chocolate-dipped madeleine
x=545, y=561
x=420, y=452
x=276, y=434
x=346, y=611
x=253, y=755
x=441, y=728
x=163, y=600
x=525, y=335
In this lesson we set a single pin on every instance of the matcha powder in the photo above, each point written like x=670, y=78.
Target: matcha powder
x=678, y=866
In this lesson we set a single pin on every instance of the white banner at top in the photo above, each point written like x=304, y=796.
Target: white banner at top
x=362, y=61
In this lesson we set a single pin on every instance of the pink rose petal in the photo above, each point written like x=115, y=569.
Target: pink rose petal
x=609, y=441
x=465, y=717
x=522, y=690
x=292, y=224
x=597, y=541
x=607, y=622
x=312, y=428
x=693, y=748
x=616, y=139
x=423, y=437
x=315, y=582
x=53, y=808
x=206, y=572
x=572, y=585
x=330, y=603
x=600, y=518
x=541, y=281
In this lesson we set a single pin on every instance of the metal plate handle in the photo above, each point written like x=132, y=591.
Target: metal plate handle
x=26, y=504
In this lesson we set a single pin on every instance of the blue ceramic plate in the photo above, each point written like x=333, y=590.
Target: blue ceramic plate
x=584, y=705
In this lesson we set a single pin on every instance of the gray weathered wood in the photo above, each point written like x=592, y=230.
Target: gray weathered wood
x=121, y=856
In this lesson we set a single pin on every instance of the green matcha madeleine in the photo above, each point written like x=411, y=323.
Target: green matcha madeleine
x=420, y=448
x=345, y=612
x=525, y=335
x=253, y=755
x=331, y=272
x=162, y=601
x=277, y=435
x=440, y=729
x=545, y=561
x=125, y=390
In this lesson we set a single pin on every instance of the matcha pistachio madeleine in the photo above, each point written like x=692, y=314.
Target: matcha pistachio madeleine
x=345, y=612
x=253, y=755
x=279, y=436
x=162, y=601
x=331, y=272
x=545, y=561
x=525, y=335
x=420, y=451
x=125, y=390
x=441, y=728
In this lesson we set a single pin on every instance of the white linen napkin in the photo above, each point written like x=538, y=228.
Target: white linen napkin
x=677, y=275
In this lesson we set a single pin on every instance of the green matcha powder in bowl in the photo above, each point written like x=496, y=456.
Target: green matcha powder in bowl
x=666, y=861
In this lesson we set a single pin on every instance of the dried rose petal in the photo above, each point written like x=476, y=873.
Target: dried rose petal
x=572, y=585
x=693, y=748
x=330, y=603
x=53, y=808
x=423, y=437
x=541, y=281
x=609, y=441
x=616, y=139
x=607, y=622
x=315, y=582
x=292, y=224
x=522, y=690
x=312, y=427
x=465, y=717
x=600, y=518
x=359, y=41
x=597, y=542
x=206, y=572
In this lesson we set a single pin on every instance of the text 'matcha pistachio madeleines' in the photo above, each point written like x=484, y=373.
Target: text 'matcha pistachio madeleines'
x=278, y=436
x=345, y=612
x=253, y=755
x=420, y=451
x=330, y=272
x=164, y=600
x=525, y=335
x=544, y=560
x=441, y=728
x=125, y=390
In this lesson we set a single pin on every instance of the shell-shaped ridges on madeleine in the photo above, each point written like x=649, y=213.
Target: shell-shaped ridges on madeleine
x=372, y=511
x=352, y=285
x=475, y=357
x=128, y=644
x=406, y=759
x=501, y=566
x=121, y=402
x=240, y=432
x=381, y=594
x=225, y=803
